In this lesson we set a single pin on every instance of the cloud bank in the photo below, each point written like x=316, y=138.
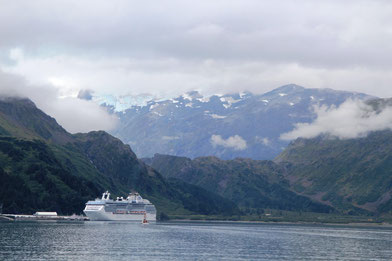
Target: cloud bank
x=235, y=142
x=74, y=114
x=352, y=119
x=211, y=46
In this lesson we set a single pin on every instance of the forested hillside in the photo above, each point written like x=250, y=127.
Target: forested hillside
x=253, y=185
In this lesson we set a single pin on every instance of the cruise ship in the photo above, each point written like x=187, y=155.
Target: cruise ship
x=132, y=208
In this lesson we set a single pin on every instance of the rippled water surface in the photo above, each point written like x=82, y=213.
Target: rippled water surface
x=190, y=241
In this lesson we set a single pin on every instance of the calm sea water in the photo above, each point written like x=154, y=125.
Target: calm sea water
x=190, y=241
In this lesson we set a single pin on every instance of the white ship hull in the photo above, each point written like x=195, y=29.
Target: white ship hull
x=101, y=215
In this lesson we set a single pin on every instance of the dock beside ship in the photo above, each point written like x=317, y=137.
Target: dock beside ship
x=41, y=217
x=132, y=208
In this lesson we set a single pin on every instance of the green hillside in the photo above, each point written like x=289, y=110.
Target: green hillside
x=354, y=175
x=32, y=178
x=253, y=185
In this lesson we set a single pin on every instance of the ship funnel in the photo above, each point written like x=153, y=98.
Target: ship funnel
x=106, y=195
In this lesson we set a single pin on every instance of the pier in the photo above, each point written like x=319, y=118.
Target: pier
x=19, y=217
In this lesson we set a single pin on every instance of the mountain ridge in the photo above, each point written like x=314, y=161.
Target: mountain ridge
x=227, y=126
x=253, y=184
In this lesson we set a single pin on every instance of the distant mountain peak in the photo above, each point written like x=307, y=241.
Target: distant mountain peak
x=289, y=88
x=85, y=95
x=193, y=95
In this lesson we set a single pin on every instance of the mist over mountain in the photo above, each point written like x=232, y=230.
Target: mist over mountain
x=354, y=171
x=225, y=126
x=352, y=119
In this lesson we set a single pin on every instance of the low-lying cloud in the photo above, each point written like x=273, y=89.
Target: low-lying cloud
x=235, y=142
x=352, y=119
x=75, y=115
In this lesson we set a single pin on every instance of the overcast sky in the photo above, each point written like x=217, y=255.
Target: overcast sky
x=164, y=48
x=167, y=47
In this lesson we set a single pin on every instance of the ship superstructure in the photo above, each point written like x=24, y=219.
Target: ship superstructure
x=132, y=208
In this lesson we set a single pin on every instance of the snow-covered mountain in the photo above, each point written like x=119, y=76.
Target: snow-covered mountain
x=228, y=126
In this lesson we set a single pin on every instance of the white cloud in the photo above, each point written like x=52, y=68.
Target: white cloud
x=74, y=114
x=265, y=141
x=235, y=142
x=352, y=119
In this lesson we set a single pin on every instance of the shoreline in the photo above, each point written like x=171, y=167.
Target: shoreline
x=350, y=224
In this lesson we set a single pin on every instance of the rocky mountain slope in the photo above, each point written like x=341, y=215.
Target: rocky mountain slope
x=45, y=168
x=225, y=126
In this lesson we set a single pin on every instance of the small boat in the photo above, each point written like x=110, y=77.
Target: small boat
x=145, y=222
